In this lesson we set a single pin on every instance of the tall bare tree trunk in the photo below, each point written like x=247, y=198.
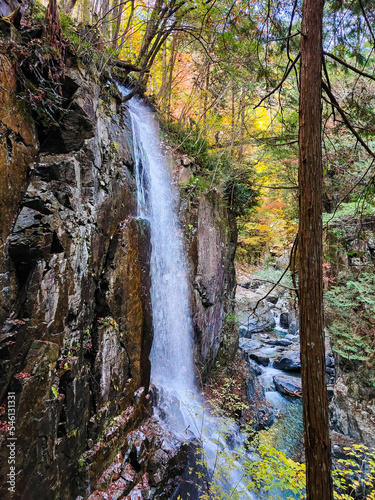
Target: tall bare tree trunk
x=52, y=32
x=314, y=390
x=103, y=13
x=118, y=10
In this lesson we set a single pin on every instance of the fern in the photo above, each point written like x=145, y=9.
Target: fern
x=350, y=309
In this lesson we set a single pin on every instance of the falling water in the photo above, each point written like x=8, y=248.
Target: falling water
x=172, y=365
x=172, y=350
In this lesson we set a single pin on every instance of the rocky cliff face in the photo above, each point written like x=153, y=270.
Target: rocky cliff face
x=76, y=315
x=75, y=292
x=211, y=236
x=353, y=410
x=350, y=245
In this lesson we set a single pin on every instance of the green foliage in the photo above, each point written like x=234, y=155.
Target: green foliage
x=38, y=12
x=348, y=212
x=273, y=473
x=238, y=188
x=197, y=185
x=219, y=171
x=188, y=140
x=355, y=475
x=351, y=305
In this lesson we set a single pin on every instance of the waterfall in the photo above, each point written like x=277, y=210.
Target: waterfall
x=172, y=364
x=172, y=354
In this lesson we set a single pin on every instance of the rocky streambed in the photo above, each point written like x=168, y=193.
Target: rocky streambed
x=269, y=339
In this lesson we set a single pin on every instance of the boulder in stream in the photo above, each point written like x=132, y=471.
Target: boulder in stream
x=273, y=299
x=330, y=360
x=261, y=359
x=289, y=361
x=293, y=338
x=284, y=320
x=243, y=331
x=281, y=342
x=290, y=386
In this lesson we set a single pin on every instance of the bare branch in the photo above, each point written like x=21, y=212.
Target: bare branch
x=367, y=21
x=349, y=66
x=286, y=74
x=334, y=102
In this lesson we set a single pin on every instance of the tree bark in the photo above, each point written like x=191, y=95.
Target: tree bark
x=314, y=391
x=170, y=69
x=205, y=96
x=242, y=125
x=118, y=11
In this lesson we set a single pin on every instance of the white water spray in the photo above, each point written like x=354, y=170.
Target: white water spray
x=172, y=350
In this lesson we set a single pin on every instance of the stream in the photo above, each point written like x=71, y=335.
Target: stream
x=286, y=432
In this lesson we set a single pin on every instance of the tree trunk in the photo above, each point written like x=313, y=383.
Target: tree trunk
x=242, y=125
x=118, y=11
x=205, y=97
x=314, y=391
x=103, y=14
x=163, y=86
x=171, y=64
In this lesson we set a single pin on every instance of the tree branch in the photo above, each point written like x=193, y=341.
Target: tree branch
x=286, y=74
x=334, y=102
x=367, y=21
x=349, y=66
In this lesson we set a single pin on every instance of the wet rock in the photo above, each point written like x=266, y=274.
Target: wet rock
x=330, y=361
x=18, y=147
x=259, y=413
x=82, y=116
x=249, y=345
x=254, y=367
x=76, y=312
x=284, y=320
x=282, y=342
x=330, y=391
x=152, y=465
x=250, y=284
x=293, y=328
x=245, y=284
x=293, y=338
x=243, y=331
x=273, y=299
x=259, y=358
x=260, y=320
x=127, y=269
x=290, y=386
x=185, y=175
x=8, y=6
x=112, y=362
x=289, y=361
